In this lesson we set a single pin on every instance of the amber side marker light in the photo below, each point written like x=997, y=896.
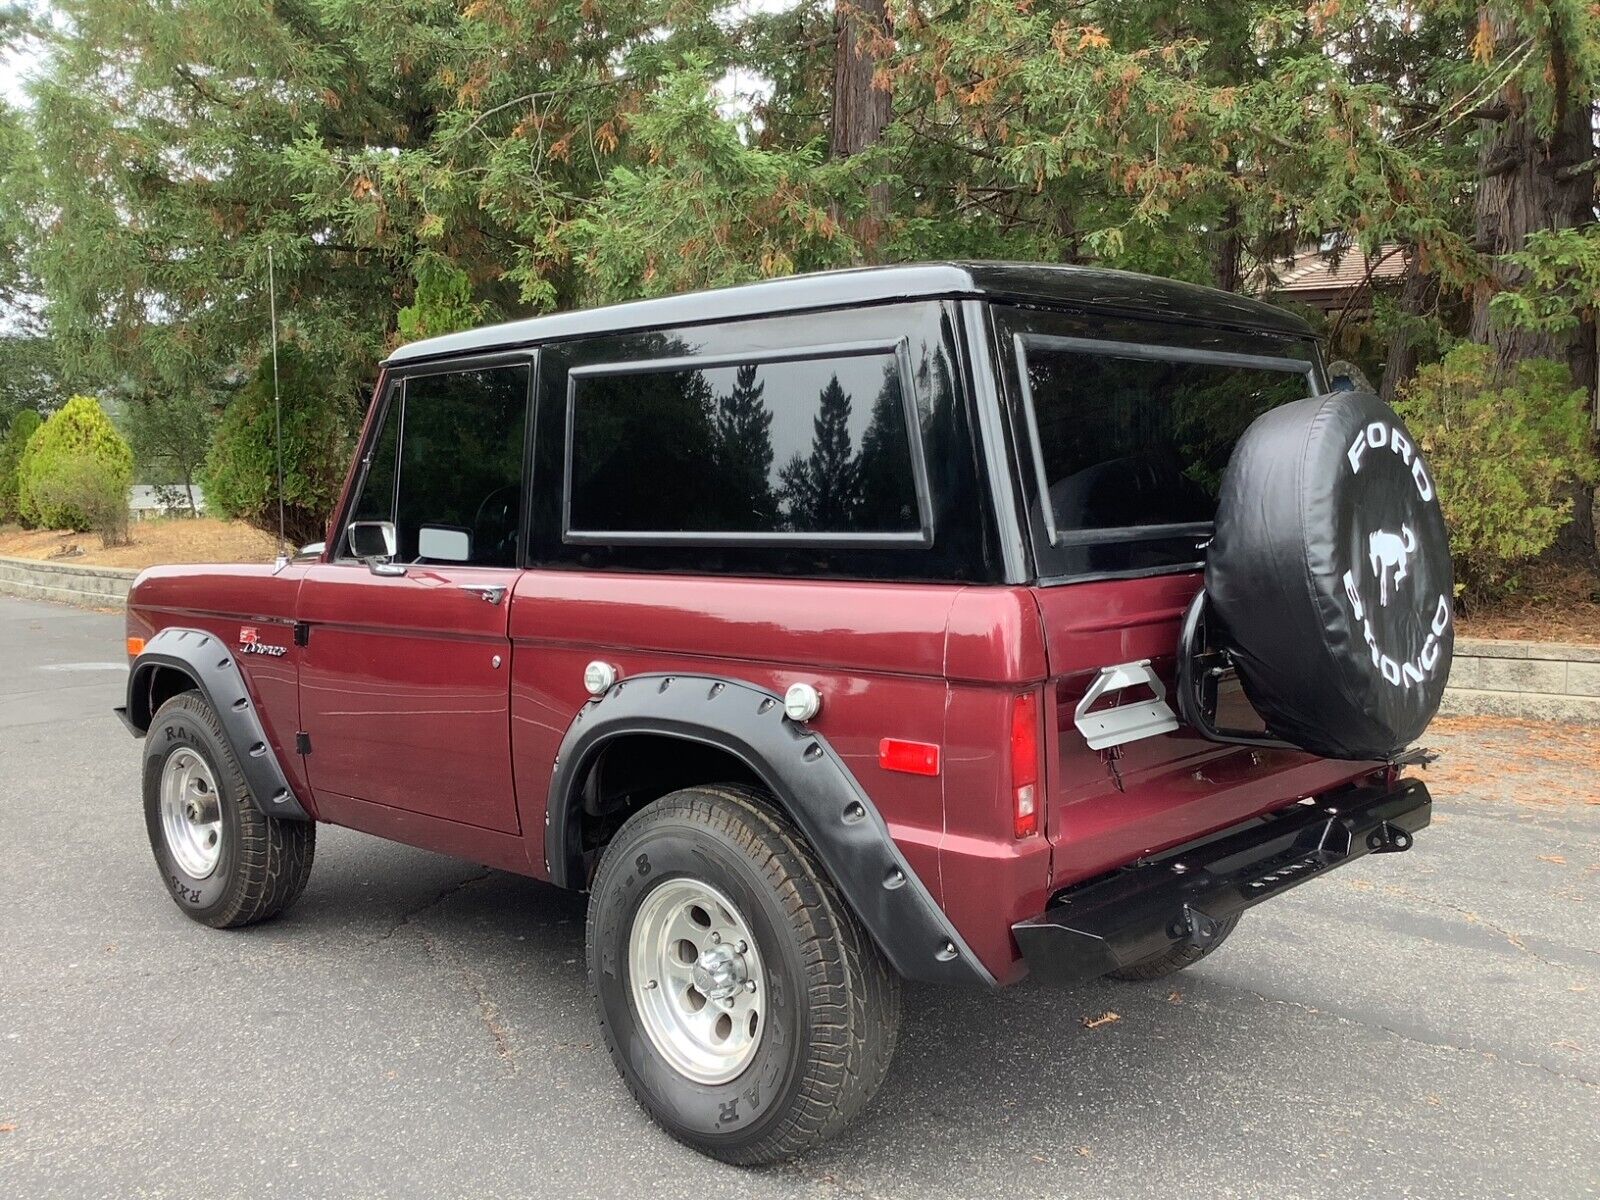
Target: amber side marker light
x=135, y=647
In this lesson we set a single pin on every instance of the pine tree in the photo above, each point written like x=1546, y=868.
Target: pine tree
x=742, y=428
x=822, y=492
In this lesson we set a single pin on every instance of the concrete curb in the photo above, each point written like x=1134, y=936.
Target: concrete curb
x=88, y=587
x=1553, y=681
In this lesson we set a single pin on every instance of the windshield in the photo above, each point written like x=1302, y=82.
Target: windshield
x=1129, y=439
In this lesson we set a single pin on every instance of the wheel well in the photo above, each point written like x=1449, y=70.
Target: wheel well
x=634, y=769
x=164, y=683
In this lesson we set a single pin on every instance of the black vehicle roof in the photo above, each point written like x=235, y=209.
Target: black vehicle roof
x=1074, y=287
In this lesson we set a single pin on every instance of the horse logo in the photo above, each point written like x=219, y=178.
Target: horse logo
x=1388, y=550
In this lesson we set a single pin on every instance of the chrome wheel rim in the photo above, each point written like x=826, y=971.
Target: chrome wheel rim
x=191, y=813
x=697, y=980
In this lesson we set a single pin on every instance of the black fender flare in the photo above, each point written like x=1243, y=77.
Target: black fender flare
x=809, y=781
x=215, y=671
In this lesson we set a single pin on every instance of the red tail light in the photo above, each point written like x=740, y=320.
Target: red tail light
x=1025, y=764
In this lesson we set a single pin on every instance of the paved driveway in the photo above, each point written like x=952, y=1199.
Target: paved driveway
x=1415, y=1025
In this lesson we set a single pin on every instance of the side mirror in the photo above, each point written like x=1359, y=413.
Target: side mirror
x=310, y=552
x=375, y=543
x=443, y=543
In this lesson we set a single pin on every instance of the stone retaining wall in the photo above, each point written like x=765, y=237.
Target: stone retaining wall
x=91, y=587
x=1553, y=680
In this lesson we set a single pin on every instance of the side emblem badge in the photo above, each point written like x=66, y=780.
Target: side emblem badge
x=250, y=643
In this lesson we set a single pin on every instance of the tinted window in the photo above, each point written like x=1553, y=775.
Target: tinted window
x=457, y=470
x=376, y=502
x=817, y=446
x=1128, y=442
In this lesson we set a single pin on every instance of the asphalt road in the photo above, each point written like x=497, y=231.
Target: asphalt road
x=1415, y=1025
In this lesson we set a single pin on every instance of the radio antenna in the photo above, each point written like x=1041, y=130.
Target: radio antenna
x=277, y=403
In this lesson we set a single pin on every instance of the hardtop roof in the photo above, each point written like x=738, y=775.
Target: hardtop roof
x=1052, y=285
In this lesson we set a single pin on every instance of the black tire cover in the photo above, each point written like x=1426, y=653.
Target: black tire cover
x=1330, y=579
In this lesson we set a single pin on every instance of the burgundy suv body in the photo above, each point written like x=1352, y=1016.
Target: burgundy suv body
x=619, y=540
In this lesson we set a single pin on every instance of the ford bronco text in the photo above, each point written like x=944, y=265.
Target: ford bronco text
x=955, y=623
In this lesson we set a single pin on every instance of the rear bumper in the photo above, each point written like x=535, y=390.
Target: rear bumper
x=1183, y=895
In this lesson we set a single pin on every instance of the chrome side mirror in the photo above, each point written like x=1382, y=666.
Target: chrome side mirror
x=375, y=543
x=310, y=552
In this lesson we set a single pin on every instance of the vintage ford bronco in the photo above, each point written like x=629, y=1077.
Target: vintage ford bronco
x=954, y=622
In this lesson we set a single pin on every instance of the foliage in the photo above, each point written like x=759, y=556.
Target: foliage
x=93, y=491
x=416, y=168
x=701, y=207
x=442, y=304
x=79, y=431
x=1560, y=282
x=1503, y=457
x=241, y=471
x=170, y=433
x=18, y=432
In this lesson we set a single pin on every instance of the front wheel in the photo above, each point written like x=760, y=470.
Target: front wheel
x=224, y=861
x=743, y=1005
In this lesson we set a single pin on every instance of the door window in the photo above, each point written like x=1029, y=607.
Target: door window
x=453, y=486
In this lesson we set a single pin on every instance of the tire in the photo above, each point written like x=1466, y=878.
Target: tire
x=826, y=1005
x=1176, y=958
x=1330, y=577
x=225, y=862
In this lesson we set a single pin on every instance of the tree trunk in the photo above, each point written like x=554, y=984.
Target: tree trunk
x=861, y=111
x=1229, y=252
x=188, y=487
x=1401, y=362
x=1520, y=190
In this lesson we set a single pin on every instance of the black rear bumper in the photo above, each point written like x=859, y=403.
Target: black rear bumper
x=1182, y=896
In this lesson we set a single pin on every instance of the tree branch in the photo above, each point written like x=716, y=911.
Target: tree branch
x=1573, y=170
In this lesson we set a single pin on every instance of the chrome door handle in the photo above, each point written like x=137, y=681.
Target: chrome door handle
x=493, y=593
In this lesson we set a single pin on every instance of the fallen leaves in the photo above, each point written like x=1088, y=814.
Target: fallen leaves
x=1105, y=1018
x=1559, y=859
x=1175, y=998
x=8, y=1127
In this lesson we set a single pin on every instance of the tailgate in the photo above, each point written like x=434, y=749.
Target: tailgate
x=1107, y=808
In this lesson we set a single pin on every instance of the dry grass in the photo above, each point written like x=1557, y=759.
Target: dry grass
x=169, y=540
x=1556, y=602
x=1536, y=763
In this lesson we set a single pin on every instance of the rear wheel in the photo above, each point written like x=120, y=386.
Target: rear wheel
x=741, y=1002
x=224, y=861
x=1176, y=958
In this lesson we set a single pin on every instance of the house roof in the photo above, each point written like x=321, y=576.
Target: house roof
x=1067, y=286
x=1315, y=271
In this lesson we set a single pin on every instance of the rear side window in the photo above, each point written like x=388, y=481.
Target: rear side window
x=803, y=447
x=1124, y=437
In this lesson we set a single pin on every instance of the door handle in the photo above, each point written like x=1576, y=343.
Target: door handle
x=493, y=593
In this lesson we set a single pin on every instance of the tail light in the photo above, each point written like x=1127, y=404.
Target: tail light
x=1025, y=765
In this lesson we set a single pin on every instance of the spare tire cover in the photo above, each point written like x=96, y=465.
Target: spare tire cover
x=1330, y=579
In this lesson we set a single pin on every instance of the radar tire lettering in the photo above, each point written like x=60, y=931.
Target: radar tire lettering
x=265, y=861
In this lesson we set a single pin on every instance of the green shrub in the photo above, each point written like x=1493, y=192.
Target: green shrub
x=16, y=439
x=80, y=430
x=241, y=470
x=1504, y=455
x=94, y=489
